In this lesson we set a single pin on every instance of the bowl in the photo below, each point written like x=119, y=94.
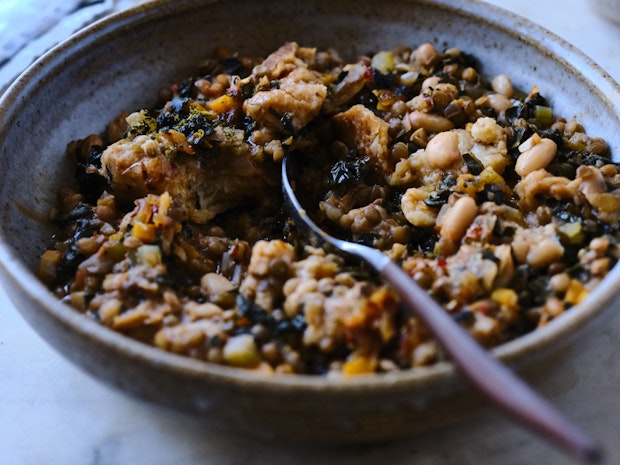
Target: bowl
x=121, y=61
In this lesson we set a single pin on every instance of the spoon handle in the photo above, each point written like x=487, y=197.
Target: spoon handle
x=499, y=384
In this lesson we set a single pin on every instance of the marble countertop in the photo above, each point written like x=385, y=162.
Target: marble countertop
x=52, y=413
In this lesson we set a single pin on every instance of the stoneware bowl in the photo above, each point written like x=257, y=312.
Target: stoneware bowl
x=119, y=64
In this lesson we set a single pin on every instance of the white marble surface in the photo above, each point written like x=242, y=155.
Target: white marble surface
x=51, y=413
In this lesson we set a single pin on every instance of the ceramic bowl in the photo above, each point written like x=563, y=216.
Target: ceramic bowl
x=120, y=63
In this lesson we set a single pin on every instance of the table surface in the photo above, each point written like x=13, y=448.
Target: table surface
x=52, y=413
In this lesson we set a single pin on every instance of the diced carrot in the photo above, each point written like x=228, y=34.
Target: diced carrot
x=223, y=104
x=359, y=365
x=46, y=269
x=576, y=292
x=145, y=232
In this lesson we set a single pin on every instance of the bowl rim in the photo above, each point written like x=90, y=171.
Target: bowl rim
x=20, y=278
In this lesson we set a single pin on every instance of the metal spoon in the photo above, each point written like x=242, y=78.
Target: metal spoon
x=498, y=383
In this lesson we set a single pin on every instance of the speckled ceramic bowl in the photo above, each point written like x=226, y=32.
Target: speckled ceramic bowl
x=119, y=63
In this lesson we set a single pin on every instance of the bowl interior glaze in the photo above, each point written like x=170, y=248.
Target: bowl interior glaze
x=120, y=63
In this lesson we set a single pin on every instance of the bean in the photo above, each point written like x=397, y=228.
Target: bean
x=130, y=319
x=285, y=368
x=536, y=158
x=496, y=101
x=214, y=283
x=399, y=151
x=503, y=85
x=419, y=103
x=364, y=219
x=610, y=171
x=222, y=79
x=132, y=242
x=442, y=95
x=458, y=218
x=409, y=78
x=88, y=245
x=429, y=121
x=450, y=69
x=597, y=146
x=109, y=309
x=554, y=306
x=208, y=88
x=279, y=268
x=545, y=252
x=290, y=286
x=215, y=355
x=469, y=74
x=599, y=244
x=559, y=126
x=270, y=352
x=544, y=214
x=400, y=234
x=600, y=266
x=572, y=127
x=419, y=137
x=203, y=311
x=467, y=104
x=442, y=151
x=69, y=202
x=430, y=82
x=499, y=102
x=529, y=143
x=105, y=213
x=426, y=54
x=559, y=282
x=326, y=285
x=399, y=108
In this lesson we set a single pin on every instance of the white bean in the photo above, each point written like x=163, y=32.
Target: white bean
x=544, y=252
x=409, y=78
x=559, y=282
x=214, y=283
x=426, y=53
x=458, y=218
x=529, y=143
x=469, y=74
x=503, y=85
x=429, y=121
x=499, y=102
x=536, y=158
x=430, y=82
x=442, y=151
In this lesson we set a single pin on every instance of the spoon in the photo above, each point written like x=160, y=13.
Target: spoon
x=500, y=385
